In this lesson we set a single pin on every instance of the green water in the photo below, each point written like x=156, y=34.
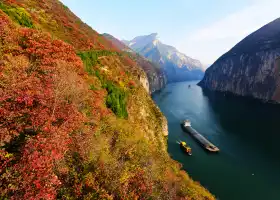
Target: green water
x=246, y=131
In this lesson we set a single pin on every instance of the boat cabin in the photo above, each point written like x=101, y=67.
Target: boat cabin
x=187, y=123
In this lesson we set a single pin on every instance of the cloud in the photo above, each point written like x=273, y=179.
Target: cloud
x=210, y=42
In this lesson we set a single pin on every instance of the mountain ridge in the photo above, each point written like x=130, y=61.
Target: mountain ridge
x=177, y=66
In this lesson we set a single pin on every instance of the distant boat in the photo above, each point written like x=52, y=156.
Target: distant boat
x=189, y=86
x=186, y=148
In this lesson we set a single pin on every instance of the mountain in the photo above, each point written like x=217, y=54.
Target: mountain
x=156, y=77
x=76, y=118
x=176, y=65
x=250, y=68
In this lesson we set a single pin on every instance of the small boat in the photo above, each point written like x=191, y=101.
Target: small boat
x=186, y=148
x=189, y=86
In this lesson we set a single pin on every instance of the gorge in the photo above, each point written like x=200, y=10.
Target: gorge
x=85, y=115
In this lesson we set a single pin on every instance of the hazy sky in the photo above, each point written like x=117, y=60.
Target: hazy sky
x=202, y=29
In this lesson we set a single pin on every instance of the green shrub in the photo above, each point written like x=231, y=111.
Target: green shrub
x=116, y=100
x=90, y=58
x=65, y=7
x=18, y=14
x=92, y=87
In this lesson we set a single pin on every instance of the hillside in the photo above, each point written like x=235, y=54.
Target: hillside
x=117, y=43
x=251, y=68
x=176, y=65
x=76, y=119
x=156, y=77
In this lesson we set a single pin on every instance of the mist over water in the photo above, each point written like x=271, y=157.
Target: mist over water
x=247, y=132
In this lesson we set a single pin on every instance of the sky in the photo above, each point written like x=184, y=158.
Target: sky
x=201, y=29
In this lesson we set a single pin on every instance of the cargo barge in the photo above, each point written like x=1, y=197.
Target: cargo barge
x=186, y=126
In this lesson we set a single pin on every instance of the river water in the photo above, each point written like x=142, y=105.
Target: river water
x=246, y=131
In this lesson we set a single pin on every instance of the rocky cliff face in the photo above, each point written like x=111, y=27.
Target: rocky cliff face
x=251, y=68
x=156, y=77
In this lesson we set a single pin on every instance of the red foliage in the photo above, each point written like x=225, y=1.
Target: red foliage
x=5, y=29
x=41, y=47
x=70, y=28
x=3, y=22
x=131, y=84
x=138, y=187
x=28, y=101
x=12, y=2
x=127, y=61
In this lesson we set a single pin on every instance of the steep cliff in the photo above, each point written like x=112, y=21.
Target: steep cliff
x=76, y=121
x=156, y=77
x=251, y=68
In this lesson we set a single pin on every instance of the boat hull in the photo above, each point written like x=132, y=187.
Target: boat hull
x=185, y=150
x=200, y=139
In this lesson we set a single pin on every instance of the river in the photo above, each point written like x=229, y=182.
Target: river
x=247, y=132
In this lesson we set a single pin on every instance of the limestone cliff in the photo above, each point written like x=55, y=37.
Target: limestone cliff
x=251, y=68
x=156, y=77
